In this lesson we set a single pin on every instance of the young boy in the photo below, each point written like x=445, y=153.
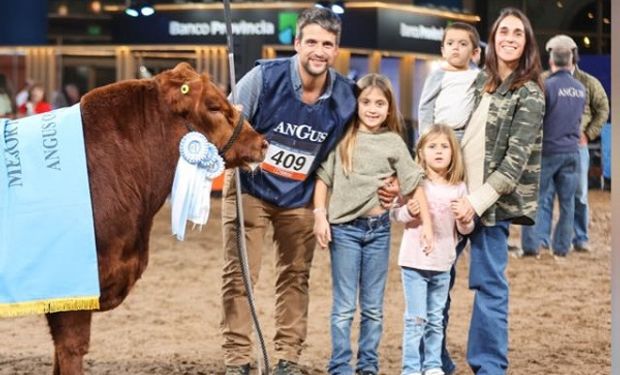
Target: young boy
x=448, y=96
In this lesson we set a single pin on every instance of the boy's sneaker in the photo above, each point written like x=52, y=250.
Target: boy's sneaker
x=238, y=370
x=367, y=372
x=287, y=368
x=414, y=373
x=434, y=371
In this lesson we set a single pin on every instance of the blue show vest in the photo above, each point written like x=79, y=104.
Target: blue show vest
x=300, y=135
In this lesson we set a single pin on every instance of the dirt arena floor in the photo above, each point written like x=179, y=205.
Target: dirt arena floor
x=560, y=312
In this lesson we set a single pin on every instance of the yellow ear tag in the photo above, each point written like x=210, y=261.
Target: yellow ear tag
x=184, y=89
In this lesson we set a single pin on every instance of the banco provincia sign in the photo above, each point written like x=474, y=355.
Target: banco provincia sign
x=214, y=27
x=421, y=32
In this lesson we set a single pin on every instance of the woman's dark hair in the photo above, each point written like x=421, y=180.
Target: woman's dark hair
x=529, y=68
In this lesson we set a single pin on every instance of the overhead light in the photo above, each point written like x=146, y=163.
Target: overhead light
x=338, y=7
x=335, y=6
x=130, y=9
x=135, y=8
x=591, y=15
x=95, y=6
x=559, y=4
x=146, y=9
x=586, y=41
x=322, y=4
x=63, y=9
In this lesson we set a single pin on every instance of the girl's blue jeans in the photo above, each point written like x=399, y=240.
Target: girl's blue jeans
x=426, y=293
x=360, y=252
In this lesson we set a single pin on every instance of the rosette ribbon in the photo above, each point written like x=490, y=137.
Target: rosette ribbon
x=199, y=163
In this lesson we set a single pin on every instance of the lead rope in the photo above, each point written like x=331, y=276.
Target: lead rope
x=241, y=244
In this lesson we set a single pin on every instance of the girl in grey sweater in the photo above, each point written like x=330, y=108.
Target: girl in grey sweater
x=355, y=225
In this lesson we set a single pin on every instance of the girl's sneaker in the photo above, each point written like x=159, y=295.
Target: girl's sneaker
x=434, y=371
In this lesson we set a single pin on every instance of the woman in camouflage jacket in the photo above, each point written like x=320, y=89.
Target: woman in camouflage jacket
x=501, y=149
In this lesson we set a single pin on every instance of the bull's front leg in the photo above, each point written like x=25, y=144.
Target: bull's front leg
x=71, y=334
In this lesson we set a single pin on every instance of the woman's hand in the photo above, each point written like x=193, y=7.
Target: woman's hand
x=321, y=228
x=463, y=210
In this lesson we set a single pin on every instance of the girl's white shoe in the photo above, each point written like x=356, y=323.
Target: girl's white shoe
x=434, y=371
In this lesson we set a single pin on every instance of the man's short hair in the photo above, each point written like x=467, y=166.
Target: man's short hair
x=563, y=41
x=561, y=57
x=323, y=17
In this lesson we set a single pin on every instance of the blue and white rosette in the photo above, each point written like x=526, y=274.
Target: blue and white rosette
x=199, y=163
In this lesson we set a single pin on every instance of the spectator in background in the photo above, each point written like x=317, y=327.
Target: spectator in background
x=68, y=96
x=564, y=102
x=22, y=96
x=36, y=102
x=6, y=104
x=594, y=117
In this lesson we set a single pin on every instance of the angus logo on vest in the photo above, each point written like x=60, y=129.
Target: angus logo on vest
x=300, y=131
x=292, y=150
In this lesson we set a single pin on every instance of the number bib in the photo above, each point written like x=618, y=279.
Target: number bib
x=290, y=162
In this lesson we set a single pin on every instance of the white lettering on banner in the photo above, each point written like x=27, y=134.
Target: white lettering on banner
x=262, y=27
x=11, y=154
x=571, y=92
x=300, y=131
x=421, y=32
x=50, y=142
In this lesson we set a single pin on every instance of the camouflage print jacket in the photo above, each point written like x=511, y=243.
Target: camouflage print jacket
x=513, y=150
x=597, y=106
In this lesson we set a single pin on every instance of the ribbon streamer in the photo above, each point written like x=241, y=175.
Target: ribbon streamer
x=199, y=163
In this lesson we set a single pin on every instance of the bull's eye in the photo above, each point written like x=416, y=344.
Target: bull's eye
x=214, y=109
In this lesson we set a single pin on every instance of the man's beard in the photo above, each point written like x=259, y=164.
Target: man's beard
x=308, y=68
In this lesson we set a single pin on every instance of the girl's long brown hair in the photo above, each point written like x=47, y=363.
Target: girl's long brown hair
x=529, y=68
x=393, y=121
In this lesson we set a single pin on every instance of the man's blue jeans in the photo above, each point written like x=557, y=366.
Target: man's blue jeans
x=360, y=252
x=558, y=174
x=487, y=344
x=581, y=199
x=426, y=293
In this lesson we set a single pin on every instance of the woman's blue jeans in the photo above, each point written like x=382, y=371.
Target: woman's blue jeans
x=360, y=251
x=487, y=344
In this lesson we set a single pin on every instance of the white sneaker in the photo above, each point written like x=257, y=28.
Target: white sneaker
x=434, y=371
x=414, y=373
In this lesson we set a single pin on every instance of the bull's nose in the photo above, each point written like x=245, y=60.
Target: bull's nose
x=265, y=145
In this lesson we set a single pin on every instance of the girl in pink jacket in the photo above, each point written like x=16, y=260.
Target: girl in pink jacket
x=426, y=270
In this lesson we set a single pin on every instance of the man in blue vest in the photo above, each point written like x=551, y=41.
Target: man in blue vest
x=565, y=99
x=302, y=106
x=594, y=117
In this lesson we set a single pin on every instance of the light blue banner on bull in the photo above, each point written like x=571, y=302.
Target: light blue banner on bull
x=48, y=259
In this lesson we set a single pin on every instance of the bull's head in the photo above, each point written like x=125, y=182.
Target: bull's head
x=205, y=107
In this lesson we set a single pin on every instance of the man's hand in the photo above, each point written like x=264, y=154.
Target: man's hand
x=388, y=191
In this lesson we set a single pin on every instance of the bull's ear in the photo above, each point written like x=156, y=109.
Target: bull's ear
x=181, y=88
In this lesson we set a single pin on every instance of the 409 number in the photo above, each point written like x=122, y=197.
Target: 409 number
x=289, y=161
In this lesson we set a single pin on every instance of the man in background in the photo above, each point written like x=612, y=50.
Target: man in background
x=595, y=115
